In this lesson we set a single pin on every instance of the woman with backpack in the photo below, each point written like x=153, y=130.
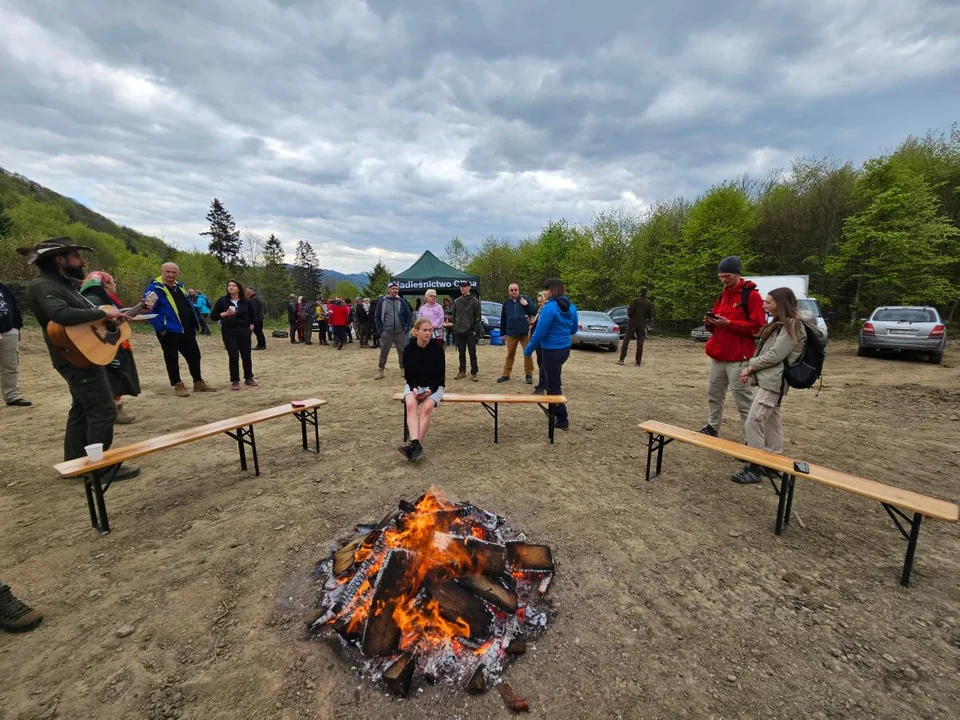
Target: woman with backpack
x=781, y=340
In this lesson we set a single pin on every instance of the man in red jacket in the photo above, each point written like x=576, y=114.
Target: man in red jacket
x=735, y=320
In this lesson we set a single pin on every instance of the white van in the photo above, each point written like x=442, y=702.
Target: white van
x=799, y=285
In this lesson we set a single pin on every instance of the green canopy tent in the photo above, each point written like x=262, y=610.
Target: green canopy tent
x=429, y=271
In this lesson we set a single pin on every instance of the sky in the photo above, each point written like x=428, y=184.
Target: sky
x=379, y=129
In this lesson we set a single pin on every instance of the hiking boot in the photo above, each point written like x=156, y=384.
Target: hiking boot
x=20, y=402
x=503, y=379
x=528, y=379
x=180, y=390
x=126, y=472
x=416, y=450
x=405, y=450
x=15, y=615
x=379, y=374
x=201, y=386
x=748, y=476
x=476, y=379
x=460, y=375
x=708, y=430
x=123, y=417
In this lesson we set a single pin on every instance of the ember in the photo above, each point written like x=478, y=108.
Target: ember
x=435, y=590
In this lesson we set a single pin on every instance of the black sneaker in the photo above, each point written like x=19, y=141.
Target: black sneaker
x=539, y=391
x=708, y=430
x=15, y=615
x=20, y=402
x=415, y=452
x=405, y=450
x=747, y=476
x=563, y=425
x=126, y=472
x=503, y=379
x=528, y=379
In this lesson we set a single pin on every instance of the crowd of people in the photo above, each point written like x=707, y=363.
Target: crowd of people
x=752, y=340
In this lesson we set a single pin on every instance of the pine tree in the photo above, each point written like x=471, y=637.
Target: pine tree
x=224, y=236
x=277, y=283
x=306, y=271
x=377, y=280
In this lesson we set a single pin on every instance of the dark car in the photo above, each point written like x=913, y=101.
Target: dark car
x=619, y=316
x=490, y=316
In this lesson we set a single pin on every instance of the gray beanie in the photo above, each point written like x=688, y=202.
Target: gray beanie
x=730, y=264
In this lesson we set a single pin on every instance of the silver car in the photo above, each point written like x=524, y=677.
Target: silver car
x=917, y=329
x=596, y=328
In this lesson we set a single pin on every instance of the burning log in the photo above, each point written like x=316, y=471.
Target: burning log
x=399, y=675
x=345, y=556
x=512, y=700
x=526, y=557
x=492, y=591
x=478, y=681
x=381, y=636
x=458, y=604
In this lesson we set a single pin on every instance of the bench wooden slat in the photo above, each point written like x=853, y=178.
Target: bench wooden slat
x=903, y=499
x=495, y=398
x=82, y=466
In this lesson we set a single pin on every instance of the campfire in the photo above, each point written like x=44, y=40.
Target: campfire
x=435, y=591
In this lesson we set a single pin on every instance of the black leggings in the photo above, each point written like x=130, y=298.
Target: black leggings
x=237, y=343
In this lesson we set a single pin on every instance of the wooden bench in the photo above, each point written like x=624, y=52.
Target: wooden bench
x=97, y=476
x=896, y=501
x=492, y=402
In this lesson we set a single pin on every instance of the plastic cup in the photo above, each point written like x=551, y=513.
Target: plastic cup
x=94, y=452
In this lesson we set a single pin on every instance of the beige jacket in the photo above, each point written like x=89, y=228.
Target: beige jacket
x=767, y=362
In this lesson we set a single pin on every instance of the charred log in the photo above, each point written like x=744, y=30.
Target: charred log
x=457, y=603
x=512, y=700
x=399, y=675
x=478, y=681
x=344, y=558
x=517, y=646
x=524, y=556
x=493, y=591
x=381, y=636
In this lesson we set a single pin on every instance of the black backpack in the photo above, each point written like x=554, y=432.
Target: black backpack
x=808, y=368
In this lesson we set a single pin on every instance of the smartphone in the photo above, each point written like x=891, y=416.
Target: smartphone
x=711, y=315
x=801, y=467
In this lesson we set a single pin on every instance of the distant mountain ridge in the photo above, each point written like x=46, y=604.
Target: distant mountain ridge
x=332, y=277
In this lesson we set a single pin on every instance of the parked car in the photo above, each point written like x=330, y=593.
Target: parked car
x=596, y=328
x=619, y=315
x=490, y=316
x=917, y=329
x=804, y=305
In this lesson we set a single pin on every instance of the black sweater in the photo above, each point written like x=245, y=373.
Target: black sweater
x=241, y=321
x=424, y=367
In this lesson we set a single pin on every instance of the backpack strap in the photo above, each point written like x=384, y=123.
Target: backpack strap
x=745, y=298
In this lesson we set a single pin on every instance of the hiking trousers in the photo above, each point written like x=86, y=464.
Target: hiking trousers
x=725, y=375
x=92, y=413
x=764, y=424
x=10, y=365
x=388, y=340
x=633, y=333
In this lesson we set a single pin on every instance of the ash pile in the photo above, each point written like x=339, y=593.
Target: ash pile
x=437, y=591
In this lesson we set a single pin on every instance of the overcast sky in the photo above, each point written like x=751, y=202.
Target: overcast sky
x=385, y=127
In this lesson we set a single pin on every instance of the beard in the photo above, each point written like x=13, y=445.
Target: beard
x=76, y=273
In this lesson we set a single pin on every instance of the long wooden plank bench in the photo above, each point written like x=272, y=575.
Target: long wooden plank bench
x=492, y=401
x=896, y=501
x=97, y=476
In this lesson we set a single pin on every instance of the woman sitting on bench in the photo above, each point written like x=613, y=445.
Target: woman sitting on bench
x=424, y=371
x=783, y=338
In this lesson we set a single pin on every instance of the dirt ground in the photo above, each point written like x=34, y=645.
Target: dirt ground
x=672, y=598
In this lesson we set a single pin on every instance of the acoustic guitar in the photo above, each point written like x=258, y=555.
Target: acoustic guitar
x=94, y=343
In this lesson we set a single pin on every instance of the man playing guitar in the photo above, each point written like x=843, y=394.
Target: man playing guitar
x=54, y=295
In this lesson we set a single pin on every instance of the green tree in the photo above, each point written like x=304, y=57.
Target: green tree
x=898, y=248
x=225, y=242
x=306, y=272
x=601, y=265
x=377, y=280
x=344, y=289
x=496, y=261
x=456, y=253
x=5, y=225
x=275, y=281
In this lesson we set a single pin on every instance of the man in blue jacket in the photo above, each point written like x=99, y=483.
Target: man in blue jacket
x=515, y=324
x=176, y=324
x=557, y=322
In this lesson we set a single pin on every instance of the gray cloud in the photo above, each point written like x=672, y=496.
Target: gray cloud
x=381, y=128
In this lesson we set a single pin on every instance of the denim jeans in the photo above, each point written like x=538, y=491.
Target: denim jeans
x=553, y=361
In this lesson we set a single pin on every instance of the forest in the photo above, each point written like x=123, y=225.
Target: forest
x=886, y=232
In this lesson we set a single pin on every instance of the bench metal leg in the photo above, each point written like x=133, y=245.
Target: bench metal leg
x=785, y=502
x=95, y=485
x=406, y=428
x=896, y=514
x=244, y=436
x=551, y=420
x=309, y=417
x=657, y=443
x=495, y=414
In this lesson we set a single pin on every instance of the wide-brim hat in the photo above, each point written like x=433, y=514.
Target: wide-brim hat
x=50, y=247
